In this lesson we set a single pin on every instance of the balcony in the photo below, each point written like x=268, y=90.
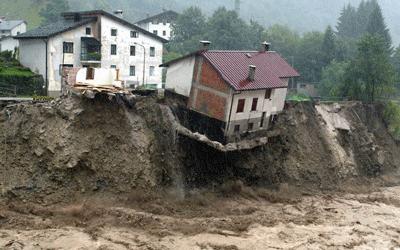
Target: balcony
x=90, y=50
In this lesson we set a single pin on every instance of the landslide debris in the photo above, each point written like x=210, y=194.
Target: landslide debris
x=51, y=151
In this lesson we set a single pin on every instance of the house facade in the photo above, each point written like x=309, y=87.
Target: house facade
x=160, y=24
x=243, y=90
x=9, y=29
x=95, y=39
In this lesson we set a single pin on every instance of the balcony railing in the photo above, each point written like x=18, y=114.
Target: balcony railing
x=92, y=57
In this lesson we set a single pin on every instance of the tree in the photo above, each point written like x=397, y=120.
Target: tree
x=396, y=60
x=377, y=26
x=333, y=77
x=328, y=47
x=283, y=40
x=309, y=56
x=228, y=31
x=188, y=30
x=370, y=73
x=51, y=13
x=364, y=12
x=347, y=22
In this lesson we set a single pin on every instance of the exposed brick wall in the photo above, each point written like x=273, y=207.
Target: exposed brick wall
x=69, y=75
x=210, y=78
x=210, y=104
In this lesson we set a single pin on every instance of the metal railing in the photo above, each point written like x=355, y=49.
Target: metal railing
x=91, y=57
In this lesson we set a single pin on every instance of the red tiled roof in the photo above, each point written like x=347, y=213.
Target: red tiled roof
x=234, y=68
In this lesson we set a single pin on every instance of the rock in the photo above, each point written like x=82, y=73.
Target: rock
x=38, y=152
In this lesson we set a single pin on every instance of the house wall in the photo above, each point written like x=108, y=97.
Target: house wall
x=180, y=76
x=32, y=54
x=271, y=106
x=210, y=93
x=123, y=60
x=19, y=29
x=101, y=77
x=56, y=56
x=8, y=43
x=160, y=27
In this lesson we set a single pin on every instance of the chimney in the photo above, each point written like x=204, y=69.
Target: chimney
x=252, y=73
x=205, y=45
x=119, y=13
x=2, y=18
x=265, y=47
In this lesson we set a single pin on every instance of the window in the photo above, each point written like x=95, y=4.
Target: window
x=164, y=33
x=152, y=70
x=254, y=104
x=240, y=106
x=114, y=32
x=268, y=94
x=133, y=50
x=134, y=34
x=68, y=47
x=152, y=51
x=113, y=66
x=89, y=73
x=155, y=32
x=88, y=31
x=113, y=49
x=237, y=129
x=250, y=126
x=132, y=70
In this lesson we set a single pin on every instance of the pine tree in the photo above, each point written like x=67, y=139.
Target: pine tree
x=347, y=22
x=364, y=12
x=328, y=47
x=51, y=13
x=370, y=73
x=377, y=27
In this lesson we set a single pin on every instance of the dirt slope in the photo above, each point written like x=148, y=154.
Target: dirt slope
x=52, y=151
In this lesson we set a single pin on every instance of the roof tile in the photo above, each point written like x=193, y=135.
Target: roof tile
x=234, y=68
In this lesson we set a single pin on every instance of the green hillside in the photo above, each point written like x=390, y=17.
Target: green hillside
x=23, y=9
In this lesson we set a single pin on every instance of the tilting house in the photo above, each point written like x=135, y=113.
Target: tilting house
x=237, y=91
x=92, y=39
x=160, y=24
x=8, y=29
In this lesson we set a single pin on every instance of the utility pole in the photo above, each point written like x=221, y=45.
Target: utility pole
x=144, y=62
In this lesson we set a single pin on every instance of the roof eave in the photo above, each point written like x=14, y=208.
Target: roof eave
x=107, y=14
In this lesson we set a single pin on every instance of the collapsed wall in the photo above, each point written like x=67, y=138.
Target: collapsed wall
x=54, y=150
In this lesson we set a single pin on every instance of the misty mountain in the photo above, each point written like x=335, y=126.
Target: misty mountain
x=301, y=15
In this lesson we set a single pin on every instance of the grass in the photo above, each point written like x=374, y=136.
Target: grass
x=298, y=98
x=392, y=118
x=16, y=71
x=27, y=10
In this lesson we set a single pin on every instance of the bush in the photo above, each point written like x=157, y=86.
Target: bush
x=392, y=118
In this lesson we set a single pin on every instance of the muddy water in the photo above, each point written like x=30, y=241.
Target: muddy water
x=352, y=221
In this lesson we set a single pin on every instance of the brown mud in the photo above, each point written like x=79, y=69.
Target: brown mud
x=95, y=174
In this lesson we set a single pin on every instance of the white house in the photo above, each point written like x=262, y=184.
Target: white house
x=92, y=39
x=160, y=24
x=238, y=91
x=9, y=29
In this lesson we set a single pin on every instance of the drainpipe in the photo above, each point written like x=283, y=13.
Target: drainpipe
x=46, y=41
